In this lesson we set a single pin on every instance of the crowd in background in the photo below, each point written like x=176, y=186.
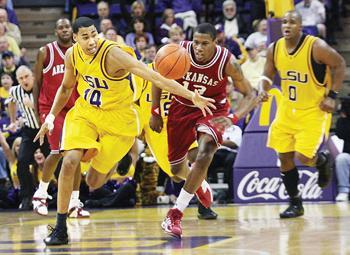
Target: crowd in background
x=241, y=26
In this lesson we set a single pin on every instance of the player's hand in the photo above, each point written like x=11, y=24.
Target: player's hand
x=203, y=103
x=156, y=123
x=221, y=123
x=12, y=127
x=328, y=105
x=47, y=126
x=263, y=96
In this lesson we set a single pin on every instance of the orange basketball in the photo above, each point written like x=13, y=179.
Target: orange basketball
x=172, y=61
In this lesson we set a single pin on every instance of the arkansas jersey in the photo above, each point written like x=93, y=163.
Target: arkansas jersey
x=208, y=79
x=52, y=77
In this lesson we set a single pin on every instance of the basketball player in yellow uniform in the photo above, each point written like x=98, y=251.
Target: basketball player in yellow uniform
x=104, y=121
x=157, y=141
x=311, y=76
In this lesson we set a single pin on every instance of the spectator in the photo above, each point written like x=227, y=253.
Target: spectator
x=103, y=12
x=258, y=39
x=169, y=22
x=342, y=161
x=184, y=10
x=232, y=44
x=104, y=24
x=138, y=9
x=6, y=84
x=313, y=14
x=11, y=43
x=112, y=34
x=10, y=13
x=140, y=45
x=138, y=29
x=8, y=65
x=253, y=67
x=176, y=35
x=231, y=21
x=10, y=28
x=150, y=53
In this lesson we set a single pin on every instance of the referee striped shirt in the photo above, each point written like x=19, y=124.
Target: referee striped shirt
x=17, y=95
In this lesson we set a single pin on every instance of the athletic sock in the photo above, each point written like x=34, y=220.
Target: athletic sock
x=183, y=200
x=290, y=180
x=61, y=221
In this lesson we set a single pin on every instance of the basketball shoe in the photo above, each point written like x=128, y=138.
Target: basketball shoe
x=39, y=202
x=172, y=223
x=58, y=236
x=75, y=209
x=294, y=210
x=323, y=166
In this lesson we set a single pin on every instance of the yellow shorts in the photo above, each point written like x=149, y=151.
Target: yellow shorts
x=111, y=133
x=158, y=144
x=302, y=131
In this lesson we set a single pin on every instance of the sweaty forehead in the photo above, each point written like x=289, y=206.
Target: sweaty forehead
x=202, y=37
x=292, y=16
x=86, y=30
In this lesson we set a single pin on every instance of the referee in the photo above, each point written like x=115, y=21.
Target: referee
x=23, y=97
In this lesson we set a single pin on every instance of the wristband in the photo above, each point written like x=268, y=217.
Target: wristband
x=234, y=118
x=332, y=94
x=155, y=111
x=50, y=118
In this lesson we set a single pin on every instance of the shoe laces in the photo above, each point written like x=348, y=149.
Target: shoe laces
x=175, y=217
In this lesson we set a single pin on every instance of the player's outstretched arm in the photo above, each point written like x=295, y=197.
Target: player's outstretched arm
x=123, y=61
x=324, y=54
x=233, y=69
x=62, y=96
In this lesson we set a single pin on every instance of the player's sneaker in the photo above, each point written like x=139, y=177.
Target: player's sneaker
x=206, y=213
x=294, y=210
x=205, y=194
x=76, y=210
x=57, y=236
x=172, y=223
x=323, y=166
x=39, y=202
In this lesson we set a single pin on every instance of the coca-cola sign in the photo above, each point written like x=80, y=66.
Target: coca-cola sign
x=265, y=185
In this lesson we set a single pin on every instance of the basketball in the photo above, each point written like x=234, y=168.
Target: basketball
x=172, y=61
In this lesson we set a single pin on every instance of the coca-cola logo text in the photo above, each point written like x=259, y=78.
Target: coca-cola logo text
x=252, y=186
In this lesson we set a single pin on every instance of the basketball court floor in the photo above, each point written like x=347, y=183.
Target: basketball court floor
x=240, y=229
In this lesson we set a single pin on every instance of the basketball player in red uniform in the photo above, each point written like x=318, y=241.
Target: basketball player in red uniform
x=49, y=72
x=211, y=65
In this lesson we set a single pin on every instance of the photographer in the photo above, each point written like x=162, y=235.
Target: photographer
x=342, y=161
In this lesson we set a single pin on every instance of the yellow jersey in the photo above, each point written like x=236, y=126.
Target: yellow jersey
x=95, y=86
x=304, y=82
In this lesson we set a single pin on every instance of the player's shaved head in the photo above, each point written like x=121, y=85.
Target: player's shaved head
x=60, y=21
x=293, y=14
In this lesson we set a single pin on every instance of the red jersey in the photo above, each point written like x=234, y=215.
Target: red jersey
x=209, y=79
x=52, y=77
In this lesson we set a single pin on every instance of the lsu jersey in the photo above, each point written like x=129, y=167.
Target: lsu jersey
x=304, y=82
x=96, y=86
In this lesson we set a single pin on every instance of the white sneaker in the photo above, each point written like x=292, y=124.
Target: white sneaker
x=342, y=197
x=76, y=210
x=39, y=203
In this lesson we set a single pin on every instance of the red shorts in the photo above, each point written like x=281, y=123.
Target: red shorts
x=183, y=124
x=55, y=137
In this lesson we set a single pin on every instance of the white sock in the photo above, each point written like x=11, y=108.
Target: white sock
x=43, y=187
x=183, y=200
x=75, y=195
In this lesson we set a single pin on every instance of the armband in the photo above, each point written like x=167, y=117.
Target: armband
x=332, y=94
x=155, y=111
x=265, y=78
